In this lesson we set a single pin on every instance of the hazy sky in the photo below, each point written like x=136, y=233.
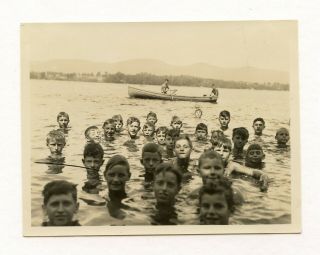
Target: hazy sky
x=261, y=44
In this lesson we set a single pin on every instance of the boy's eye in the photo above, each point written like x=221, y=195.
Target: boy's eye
x=111, y=174
x=219, y=206
x=205, y=205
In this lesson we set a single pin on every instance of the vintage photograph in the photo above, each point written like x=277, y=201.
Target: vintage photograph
x=160, y=128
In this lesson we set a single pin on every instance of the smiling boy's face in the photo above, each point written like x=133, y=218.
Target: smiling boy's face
x=133, y=129
x=166, y=188
x=214, y=209
x=63, y=121
x=254, y=156
x=116, y=177
x=224, y=152
x=176, y=124
x=94, y=135
x=282, y=137
x=182, y=149
x=210, y=168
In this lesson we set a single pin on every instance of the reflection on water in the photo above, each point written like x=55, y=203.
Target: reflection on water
x=90, y=104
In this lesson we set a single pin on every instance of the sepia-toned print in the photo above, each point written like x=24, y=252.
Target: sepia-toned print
x=160, y=128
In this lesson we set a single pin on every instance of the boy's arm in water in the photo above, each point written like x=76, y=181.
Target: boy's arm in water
x=257, y=174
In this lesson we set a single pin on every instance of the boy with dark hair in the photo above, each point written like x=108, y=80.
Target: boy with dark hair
x=258, y=126
x=167, y=184
x=216, y=202
x=117, y=173
x=60, y=203
x=92, y=159
x=239, y=138
x=201, y=132
x=224, y=119
x=255, y=156
x=176, y=123
x=171, y=137
x=151, y=158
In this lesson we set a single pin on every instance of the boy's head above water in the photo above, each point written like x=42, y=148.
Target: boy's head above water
x=254, y=155
x=282, y=137
x=210, y=166
x=167, y=184
x=133, y=125
x=258, y=126
x=176, y=122
x=201, y=131
x=161, y=134
x=224, y=119
x=93, y=157
x=215, y=135
x=152, y=117
x=92, y=134
x=118, y=121
x=60, y=202
x=171, y=136
x=151, y=157
x=182, y=147
x=223, y=148
x=109, y=129
x=216, y=202
x=148, y=129
x=56, y=142
x=63, y=119
x=117, y=173
x=240, y=137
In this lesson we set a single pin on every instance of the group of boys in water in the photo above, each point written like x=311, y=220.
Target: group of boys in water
x=167, y=166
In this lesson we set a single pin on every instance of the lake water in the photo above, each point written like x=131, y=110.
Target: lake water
x=92, y=103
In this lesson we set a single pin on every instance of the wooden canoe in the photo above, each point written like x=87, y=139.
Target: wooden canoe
x=140, y=93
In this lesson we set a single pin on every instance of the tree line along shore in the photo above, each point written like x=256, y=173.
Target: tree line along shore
x=151, y=79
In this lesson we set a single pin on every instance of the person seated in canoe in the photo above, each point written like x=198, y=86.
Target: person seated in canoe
x=214, y=91
x=165, y=87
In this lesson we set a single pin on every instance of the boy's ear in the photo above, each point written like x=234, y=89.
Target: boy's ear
x=141, y=161
x=129, y=176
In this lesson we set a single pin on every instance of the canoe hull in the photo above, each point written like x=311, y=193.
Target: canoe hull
x=144, y=94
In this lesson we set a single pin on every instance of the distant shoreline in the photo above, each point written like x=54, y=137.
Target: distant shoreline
x=151, y=79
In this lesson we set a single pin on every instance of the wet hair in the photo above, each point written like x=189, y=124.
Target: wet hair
x=130, y=120
x=241, y=131
x=225, y=142
x=152, y=148
x=86, y=133
x=56, y=135
x=63, y=114
x=173, y=133
x=202, y=126
x=152, y=114
x=108, y=122
x=58, y=188
x=221, y=185
x=115, y=161
x=117, y=117
x=148, y=124
x=211, y=155
x=175, y=119
x=224, y=114
x=168, y=167
x=162, y=129
x=281, y=130
x=183, y=137
x=93, y=150
x=259, y=119
x=253, y=146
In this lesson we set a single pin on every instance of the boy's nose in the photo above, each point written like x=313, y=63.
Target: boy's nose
x=60, y=207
